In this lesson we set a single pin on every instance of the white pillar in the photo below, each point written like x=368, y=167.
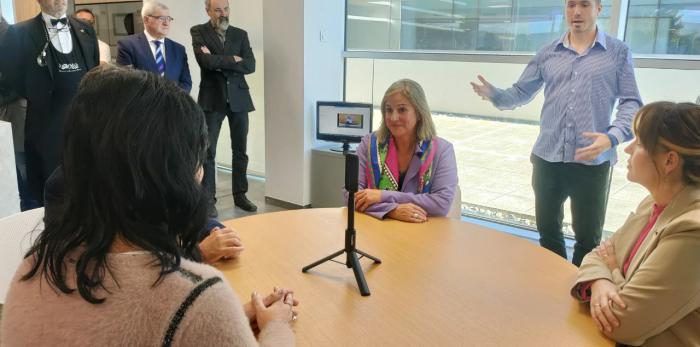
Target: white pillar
x=304, y=42
x=9, y=194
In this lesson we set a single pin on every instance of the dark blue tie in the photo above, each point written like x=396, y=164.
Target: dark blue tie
x=160, y=61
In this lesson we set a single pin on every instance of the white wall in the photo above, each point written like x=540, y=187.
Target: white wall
x=301, y=68
x=7, y=11
x=283, y=23
x=9, y=194
x=324, y=42
x=247, y=15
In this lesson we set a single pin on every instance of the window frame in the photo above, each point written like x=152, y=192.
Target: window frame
x=618, y=27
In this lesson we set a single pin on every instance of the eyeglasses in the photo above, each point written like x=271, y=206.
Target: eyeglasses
x=163, y=19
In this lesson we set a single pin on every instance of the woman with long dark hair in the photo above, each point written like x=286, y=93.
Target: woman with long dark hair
x=116, y=266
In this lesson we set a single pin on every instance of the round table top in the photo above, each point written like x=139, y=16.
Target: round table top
x=440, y=283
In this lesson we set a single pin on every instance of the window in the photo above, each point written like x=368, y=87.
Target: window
x=493, y=147
x=664, y=27
x=457, y=25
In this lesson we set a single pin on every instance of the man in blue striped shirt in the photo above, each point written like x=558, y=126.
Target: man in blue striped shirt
x=584, y=73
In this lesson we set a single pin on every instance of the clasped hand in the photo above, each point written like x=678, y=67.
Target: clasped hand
x=605, y=293
x=280, y=305
x=220, y=244
x=366, y=198
x=409, y=213
x=606, y=252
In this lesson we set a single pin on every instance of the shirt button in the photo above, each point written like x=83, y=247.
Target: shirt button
x=573, y=90
x=575, y=73
x=571, y=108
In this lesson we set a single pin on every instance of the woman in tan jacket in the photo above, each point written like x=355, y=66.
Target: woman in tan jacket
x=643, y=284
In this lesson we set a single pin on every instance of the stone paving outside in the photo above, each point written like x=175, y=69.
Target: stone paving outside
x=493, y=163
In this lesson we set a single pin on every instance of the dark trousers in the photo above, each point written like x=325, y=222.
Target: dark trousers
x=238, y=125
x=587, y=187
x=40, y=163
x=20, y=161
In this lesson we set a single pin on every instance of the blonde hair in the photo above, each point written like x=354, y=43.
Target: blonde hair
x=411, y=90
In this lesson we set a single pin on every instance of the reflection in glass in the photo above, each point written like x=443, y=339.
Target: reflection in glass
x=457, y=25
x=664, y=27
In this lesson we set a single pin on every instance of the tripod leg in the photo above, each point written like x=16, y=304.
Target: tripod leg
x=376, y=260
x=359, y=275
x=310, y=266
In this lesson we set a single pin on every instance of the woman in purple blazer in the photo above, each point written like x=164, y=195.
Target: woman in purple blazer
x=406, y=172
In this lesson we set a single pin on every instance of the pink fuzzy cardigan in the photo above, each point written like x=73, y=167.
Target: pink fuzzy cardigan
x=191, y=307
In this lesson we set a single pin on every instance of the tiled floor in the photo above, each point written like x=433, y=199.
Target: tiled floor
x=493, y=161
x=256, y=194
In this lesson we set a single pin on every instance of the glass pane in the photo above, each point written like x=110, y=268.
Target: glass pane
x=493, y=147
x=664, y=27
x=368, y=24
x=458, y=25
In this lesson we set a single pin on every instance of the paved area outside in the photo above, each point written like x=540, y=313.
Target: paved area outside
x=493, y=160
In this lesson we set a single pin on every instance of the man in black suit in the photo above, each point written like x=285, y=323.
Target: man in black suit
x=224, y=55
x=44, y=59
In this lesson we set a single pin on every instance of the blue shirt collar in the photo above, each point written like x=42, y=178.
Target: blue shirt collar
x=599, y=38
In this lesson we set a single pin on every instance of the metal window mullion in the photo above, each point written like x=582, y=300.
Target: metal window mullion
x=395, y=24
x=656, y=26
x=618, y=18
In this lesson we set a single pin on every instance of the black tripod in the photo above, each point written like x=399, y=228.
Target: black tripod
x=351, y=252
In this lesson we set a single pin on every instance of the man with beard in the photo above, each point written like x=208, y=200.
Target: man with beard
x=44, y=59
x=224, y=55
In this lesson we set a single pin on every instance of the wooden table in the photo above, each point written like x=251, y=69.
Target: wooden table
x=441, y=283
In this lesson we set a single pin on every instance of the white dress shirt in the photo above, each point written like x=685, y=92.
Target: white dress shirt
x=105, y=53
x=153, y=45
x=59, y=35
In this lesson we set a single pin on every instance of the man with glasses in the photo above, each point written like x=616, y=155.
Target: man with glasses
x=43, y=60
x=89, y=17
x=225, y=57
x=584, y=73
x=152, y=51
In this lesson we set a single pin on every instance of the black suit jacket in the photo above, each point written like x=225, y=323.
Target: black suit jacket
x=222, y=78
x=22, y=45
x=135, y=51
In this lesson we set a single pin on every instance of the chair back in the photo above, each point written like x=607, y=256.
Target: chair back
x=456, y=208
x=15, y=232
